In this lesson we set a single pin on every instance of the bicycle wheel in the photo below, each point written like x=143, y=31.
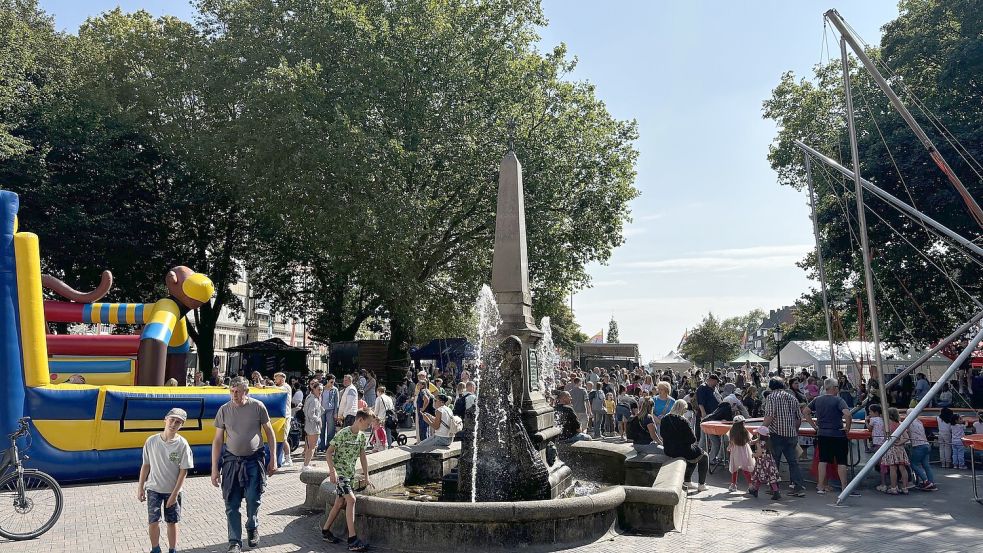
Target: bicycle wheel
x=28, y=516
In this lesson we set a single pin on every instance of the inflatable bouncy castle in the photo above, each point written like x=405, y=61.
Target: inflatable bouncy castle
x=96, y=429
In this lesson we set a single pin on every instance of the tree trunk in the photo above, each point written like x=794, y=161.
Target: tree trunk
x=397, y=358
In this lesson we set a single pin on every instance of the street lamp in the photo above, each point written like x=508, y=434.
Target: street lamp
x=778, y=334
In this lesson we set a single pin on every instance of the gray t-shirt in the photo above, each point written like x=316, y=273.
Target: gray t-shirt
x=166, y=459
x=829, y=415
x=579, y=396
x=243, y=426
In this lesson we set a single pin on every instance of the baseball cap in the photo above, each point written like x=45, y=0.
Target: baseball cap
x=177, y=413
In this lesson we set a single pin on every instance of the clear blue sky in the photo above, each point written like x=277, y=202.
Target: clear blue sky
x=712, y=230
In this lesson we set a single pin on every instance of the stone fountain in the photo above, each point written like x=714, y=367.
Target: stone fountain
x=502, y=483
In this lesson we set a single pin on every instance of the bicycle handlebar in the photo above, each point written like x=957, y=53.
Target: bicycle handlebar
x=22, y=429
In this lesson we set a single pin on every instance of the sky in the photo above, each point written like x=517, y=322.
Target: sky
x=712, y=230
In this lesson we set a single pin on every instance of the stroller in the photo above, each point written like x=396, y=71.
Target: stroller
x=295, y=436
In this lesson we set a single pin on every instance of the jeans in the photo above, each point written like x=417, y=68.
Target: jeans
x=423, y=426
x=780, y=445
x=958, y=455
x=598, y=423
x=327, y=430
x=253, y=495
x=439, y=441
x=703, y=463
x=919, y=462
x=716, y=447
x=644, y=449
x=579, y=437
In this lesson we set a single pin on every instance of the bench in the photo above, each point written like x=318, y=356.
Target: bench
x=596, y=460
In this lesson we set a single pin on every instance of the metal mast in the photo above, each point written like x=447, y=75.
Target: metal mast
x=862, y=220
x=846, y=34
x=819, y=261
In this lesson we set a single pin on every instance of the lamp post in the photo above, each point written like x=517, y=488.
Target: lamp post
x=778, y=334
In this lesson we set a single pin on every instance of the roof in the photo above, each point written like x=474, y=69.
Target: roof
x=851, y=351
x=629, y=351
x=672, y=358
x=273, y=345
x=445, y=348
x=749, y=356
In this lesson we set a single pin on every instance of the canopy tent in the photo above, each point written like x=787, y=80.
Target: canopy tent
x=854, y=356
x=747, y=357
x=672, y=361
x=268, y=357
x=447, y=353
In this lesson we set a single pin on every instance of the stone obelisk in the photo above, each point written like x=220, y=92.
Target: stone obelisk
x=510, y=282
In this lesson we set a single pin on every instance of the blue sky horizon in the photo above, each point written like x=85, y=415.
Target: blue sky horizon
x=712, y=229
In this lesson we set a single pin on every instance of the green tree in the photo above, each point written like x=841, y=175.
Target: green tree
x=710, y=342
x=613, y=332
x=385, y=123
x=933, y=50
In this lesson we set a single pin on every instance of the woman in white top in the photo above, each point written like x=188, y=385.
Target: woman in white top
x=440, y=422
x=384, y=403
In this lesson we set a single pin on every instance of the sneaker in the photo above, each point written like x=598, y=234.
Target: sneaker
x=155, y=549
x=775, y=496
x=252, y=536
x=687, y=485
x=702, y=488
x=882, y=488
x=821, y=492
x=235, y=548
x=911, y=485
x=327, y=536
x=288, y=462
x=854, y=493
x=930, y=487
x=357, y=545
x=751, y=493
x=798, y=491
x=732, y=488
x=305, y=468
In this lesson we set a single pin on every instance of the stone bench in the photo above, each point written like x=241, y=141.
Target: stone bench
x=595, y=460
x=386, y=469
x=642, y=469
x=658, y=508
x=431, y=463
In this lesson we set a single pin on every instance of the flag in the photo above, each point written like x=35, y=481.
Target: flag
x=597, y=338
x=744, y=340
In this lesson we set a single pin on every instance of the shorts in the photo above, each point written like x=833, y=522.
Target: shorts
x=344, y=487
x=832, y=449
x=156, y=501
x=622, y=413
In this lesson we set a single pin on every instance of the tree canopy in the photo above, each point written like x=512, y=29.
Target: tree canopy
x=924, y=285
x=344, y=152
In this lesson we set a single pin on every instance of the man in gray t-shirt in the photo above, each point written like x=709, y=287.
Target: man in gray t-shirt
x=579, y=403
x=239, y=425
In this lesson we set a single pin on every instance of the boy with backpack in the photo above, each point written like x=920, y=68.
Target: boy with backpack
x=166, y=460
x=443, y=422
x=347, y=446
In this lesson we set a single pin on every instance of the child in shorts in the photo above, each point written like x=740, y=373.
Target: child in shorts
x=347, y=446
x=166, y=460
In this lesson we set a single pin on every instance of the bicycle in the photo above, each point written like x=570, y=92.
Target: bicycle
x=30, y=500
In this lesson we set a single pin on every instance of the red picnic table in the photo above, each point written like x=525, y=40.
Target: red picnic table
x=974, y=442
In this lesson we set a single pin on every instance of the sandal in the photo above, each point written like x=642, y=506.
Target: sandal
x=893, y=491
x=903, y=491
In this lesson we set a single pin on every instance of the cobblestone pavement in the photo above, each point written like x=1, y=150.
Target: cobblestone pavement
x=107, y=518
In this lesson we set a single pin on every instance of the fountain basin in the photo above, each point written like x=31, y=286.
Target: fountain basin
x=415, y=526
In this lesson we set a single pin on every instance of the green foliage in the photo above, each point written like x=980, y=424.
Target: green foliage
x=345, y=153
x=612, y=337
x=933, y=48
x=711, y=342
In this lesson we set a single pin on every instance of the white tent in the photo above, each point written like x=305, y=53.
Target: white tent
x=853, y=356
x=672, y=361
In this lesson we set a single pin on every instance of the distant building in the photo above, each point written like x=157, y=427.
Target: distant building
x=758, y=341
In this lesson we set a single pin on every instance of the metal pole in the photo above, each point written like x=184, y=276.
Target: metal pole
x=910, y=417
x=893, y=200
x=846, y=35
x=862, y=220
x=819, y=260
x=928, y=354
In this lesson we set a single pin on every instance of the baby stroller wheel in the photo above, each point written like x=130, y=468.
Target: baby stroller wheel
x=401, y=439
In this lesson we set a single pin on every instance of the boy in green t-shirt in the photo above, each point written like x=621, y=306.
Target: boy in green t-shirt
x=347, y=446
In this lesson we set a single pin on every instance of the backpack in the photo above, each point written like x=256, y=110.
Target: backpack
x=460, y=406
x=454, y=425
x=392, y=422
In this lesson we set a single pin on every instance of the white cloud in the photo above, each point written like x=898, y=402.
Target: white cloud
x=733, y=259
x=650, y=217
x=634, y=231
x=603, y=283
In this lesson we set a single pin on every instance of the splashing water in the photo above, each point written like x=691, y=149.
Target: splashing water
x=489, y=320
x=546, y=352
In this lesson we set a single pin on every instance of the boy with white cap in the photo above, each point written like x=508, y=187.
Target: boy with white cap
x=166, y=460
